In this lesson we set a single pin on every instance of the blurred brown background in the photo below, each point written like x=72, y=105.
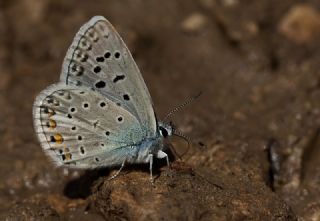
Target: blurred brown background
x=258, y=64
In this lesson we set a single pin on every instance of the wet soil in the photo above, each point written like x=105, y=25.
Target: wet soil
x=257, y=64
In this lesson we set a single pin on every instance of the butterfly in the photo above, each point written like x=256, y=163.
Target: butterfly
x=100, y=114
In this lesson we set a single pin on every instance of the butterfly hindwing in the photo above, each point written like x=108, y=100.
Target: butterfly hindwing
x=76, y=126
x=99, y=59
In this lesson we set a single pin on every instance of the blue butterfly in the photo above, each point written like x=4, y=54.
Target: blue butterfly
x=100, y=114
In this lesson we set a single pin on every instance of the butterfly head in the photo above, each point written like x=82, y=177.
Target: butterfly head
x=165, y=129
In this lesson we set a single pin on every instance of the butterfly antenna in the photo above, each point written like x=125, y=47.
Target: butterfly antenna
x=175, y=153
x=186, y=138
x=178, y=108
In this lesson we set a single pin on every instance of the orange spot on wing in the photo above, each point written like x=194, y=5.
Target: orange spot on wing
x=52, y=124
x=58, y=138
x=67, y=154
x=48, y=111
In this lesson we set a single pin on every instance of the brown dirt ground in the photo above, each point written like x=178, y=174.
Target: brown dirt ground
x=257, y=63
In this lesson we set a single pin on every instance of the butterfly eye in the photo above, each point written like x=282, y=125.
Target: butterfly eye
x=163, y=131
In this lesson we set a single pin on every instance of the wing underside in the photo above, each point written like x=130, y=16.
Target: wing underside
x=99, y=59
x=77, y=126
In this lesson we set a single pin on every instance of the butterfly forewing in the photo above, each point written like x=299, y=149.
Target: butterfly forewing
x=99, y=59
x=76, y=126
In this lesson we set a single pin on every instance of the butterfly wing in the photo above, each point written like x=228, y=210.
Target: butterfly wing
x=77, y=126
x=99, y=59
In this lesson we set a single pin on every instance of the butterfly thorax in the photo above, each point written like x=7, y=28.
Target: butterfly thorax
x=145, y=148
x=152, y=145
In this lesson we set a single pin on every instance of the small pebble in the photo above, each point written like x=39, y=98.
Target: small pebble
x=301, y=24
x=194, y=22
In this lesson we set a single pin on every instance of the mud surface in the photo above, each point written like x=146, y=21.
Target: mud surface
x=257, y=64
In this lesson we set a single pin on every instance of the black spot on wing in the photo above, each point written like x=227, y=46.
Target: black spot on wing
x=118, y=78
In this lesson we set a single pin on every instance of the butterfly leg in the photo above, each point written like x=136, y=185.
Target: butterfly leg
x=117, y=173
x=150, y=156
x=161, y=155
